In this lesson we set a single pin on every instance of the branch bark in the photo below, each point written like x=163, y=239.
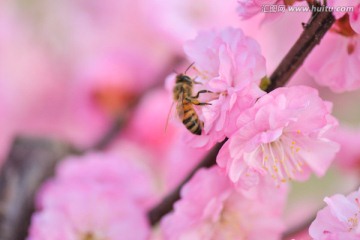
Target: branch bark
x=166, y=205
x=30, y=162
x=314, y=31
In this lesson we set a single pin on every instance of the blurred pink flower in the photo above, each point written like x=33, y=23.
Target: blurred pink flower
x=211, y=208
x=30, y=86
x=67, y=75
x=111, y=169
x=229, y=64
x=102, y=89
x=339, y=220
x=272, y=8
x=354, y=13
x=334, y=63
x=355, y=18
x=349, y=155
x=284, y=135
x=91, y=195
x=81, y=210
x=180, y=20
x=247, y=9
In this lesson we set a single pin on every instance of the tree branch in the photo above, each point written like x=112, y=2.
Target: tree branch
x=167, y=203
x=318, y=25
x=314, y=31
x=30, y=162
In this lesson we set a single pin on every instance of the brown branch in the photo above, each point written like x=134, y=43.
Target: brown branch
x=166, y=205
x=314, y=31
x=30, y=162
x=318, y=25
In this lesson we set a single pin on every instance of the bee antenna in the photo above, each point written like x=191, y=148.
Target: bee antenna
x=189, y=67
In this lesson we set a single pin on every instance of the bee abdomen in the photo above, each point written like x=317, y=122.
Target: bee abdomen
x=192, y=123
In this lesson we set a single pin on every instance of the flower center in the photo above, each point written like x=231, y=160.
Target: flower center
x=281, y=159
x=353, y=221
x=230, y=224
x=90, y=236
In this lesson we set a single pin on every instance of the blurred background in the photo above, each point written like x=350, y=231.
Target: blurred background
x=71, y=70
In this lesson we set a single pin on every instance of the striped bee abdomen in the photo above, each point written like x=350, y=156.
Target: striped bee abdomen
x=191, y=119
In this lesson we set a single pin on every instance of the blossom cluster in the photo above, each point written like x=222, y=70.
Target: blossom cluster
x=339, y=219
x=284, y=133
x=221, y=211
x=340, y=48
x=91, y=198
x=272, y=137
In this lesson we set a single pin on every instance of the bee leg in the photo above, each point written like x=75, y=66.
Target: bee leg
x=196, y=102
x=201, y=91
x=203, y=103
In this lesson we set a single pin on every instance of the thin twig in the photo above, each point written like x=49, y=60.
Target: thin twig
x=124, y=117
x=167, y=203
x=314, y=31
x=311, y=36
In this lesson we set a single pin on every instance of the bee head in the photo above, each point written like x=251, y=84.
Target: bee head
x=182, y=78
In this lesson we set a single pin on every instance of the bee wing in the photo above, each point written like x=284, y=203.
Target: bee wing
x=179, y=110
x=180, y=107
x=169, y=114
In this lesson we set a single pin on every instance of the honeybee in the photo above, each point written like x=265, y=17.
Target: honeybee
x=183, y=96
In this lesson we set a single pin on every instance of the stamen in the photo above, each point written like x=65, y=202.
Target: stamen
x=284, y=159
x=353, y=221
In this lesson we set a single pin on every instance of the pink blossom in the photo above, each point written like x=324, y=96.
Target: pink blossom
x=334, y=63
x=339, y=220
x=355, y=18
x=211, y=208
x=79, y=210
x=180, y=20
x=101, y=89
x=30, y=85
x=229, y=64
x=349, y=155
x=111, y=169
x=92, y=196
x=272, y=8
x=354, y=6
x=85, y=64
x=247, y=9
x=284, y=135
